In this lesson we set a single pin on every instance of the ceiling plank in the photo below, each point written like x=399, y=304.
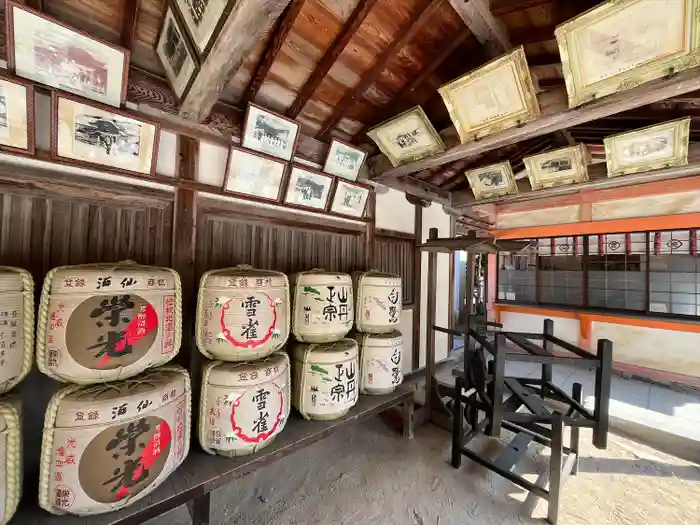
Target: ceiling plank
x=284, y=26
x=129, y=16
x=488, y=30
x=321, y=70
x=648, y=93
x=248, y=23
x=408, y=30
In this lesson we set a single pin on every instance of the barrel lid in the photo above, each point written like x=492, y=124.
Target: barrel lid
x=233, y=277
x=391, y=335
x=377, y=273
x=124, y=277
x=245, y=270
x=327, y=352
x=317, y=272
x=11, y=279
x=249, y=373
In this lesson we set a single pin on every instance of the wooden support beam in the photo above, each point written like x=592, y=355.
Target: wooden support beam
x=249, y=21
x=408, y=30
x=321, y=70
x=37, y=5
x=489, y=31
x=129, y=16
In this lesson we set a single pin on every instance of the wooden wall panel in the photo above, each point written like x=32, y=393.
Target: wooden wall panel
x=395, y=255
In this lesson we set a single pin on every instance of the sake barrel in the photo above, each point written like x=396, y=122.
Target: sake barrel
x=106, y=446
x=242, y=313
x=10, y=457
x=380, y=362
x=378, y=302
x=326, y=377
x=244, y=405
x=16, y=326
x=104, y=322
x=323, y=306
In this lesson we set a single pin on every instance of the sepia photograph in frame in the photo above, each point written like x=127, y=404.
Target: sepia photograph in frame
x=253, y=174
x=344, y=160
x=308, y=188
x=203, y=20
x=407, y=137
x=49, y=52
x=269, y=133
x=492, y=98
x=350, y=199
x=176, y=54
x=646, y=149
x=16, y=116
x=495, y=180
x=98, y=135
x=558, y=168
x=620, y=45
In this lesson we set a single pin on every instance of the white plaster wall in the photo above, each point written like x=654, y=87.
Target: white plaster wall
x=212, y=164
x=548, y=216
x=394, y=212
x=567, y=329
x=669, y=204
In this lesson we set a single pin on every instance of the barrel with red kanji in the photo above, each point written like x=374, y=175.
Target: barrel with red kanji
x=244, y=405
x=106, y=446
x=381, y=358
x=242, y=313
x=16, y=326
x=105, y=322
x=378, y=296
x=10, y=457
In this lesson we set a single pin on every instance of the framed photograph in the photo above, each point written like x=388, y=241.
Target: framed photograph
x=651, y=148
x=407, y=137
x=350, y=199
x=495, y=97
x=344, y=160
x=16, y=115
x=269, y=133
x=102, y=136
x=178, y=58
x=252, y=174
x=49, y=52
x=308, y=188
x=620, y=45
x=558, y=167
x=203, y=20
x=496, y=180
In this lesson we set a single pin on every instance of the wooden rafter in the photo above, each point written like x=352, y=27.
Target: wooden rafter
x=38, y=5
x=321, y=70
x=408, y=30
x=487, y=29
x=129, y=17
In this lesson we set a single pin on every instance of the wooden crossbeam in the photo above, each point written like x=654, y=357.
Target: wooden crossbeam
x=488, y=30
x=129, y=17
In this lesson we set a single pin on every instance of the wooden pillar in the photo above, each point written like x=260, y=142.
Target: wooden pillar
x=417, y=285
x=370, y=232
x=430, y=322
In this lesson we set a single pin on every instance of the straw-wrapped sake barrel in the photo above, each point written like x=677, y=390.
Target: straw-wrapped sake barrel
x=104, y=322
x=242, y=313
x=323, y=306
x=378, y=302
x=380, y=362
x=10, y=457
x=244, y=405
x=16, y=326
x=106, y=446
x=325, y=379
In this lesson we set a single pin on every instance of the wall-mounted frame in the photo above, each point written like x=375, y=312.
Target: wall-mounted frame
x=253, y=174
x=651, y=148
x=344, y=160
x=98, y=135
x=47, y=51
x=16, y=115
x=495, y=97
x=350, y=199
x=495, y=180
x=308, y=188
x=203, y=20
x=407, y=137
x=557, y=168
x=176, y=54
x=620, y=45
x=269, y=132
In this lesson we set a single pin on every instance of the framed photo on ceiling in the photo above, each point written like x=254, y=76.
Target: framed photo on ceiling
x=252, y=174
x=101, y=136
x=203, y=20
x=495, y=180
x=49, y=52
x=651, y=148
x=16, y=115
x=269, y=133
x=350, y=198
x=557, y=168
x=177, y=56
x=495, y=97
x=407, y=137
x=344, y=160
x=308, y=188
x=620, y=45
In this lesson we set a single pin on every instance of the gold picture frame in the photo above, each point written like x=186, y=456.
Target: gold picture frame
x=494, y=180
x=495, y=97
x=558, y=168
x=407, y=137
x=601, y=52
x=647, y=149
